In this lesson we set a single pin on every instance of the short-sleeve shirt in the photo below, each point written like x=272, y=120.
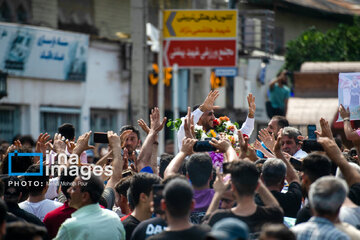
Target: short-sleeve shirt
x=130, y=223
x=40, y=209
x=318, y=228
x=278, y=95
x=197, y=232
x=255, y=221
x=149, y=228
x=56, y=217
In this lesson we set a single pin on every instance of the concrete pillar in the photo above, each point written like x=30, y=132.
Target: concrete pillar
x=139, y=83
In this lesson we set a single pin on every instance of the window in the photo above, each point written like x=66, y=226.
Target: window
x=77, y=16
x=9, y=123
x=5, y=15
x=21, y=14
x=52, y=117
x=15, y=11
x=103, y=121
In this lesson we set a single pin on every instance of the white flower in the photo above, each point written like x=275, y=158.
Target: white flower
x=198, y=128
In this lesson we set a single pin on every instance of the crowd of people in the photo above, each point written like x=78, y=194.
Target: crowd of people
x=269, y=189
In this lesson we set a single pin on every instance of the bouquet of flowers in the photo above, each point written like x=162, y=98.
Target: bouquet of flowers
x=222, y=125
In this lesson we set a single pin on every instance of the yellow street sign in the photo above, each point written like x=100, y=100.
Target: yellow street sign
x=200, y=23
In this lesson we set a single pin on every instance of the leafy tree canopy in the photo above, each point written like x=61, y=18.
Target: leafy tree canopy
x=339, y=44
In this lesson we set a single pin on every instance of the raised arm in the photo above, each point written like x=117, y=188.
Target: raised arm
x=207, y=105
x=118, y=162
x=291, y=175
x=155, y=146
x=276, y=80
x=332, y=150
x=266, y=196
x=267, y=138
x=82, y=144
x=260, y=148
x=349, y=132
x=248, y=126
x=224, y=146
x=325, y=129
x=156, y=126
x=176, y=163
x=219, y=188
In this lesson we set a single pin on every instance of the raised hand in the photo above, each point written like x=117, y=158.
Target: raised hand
x=267, y=138
x=258, y=146
x=59, y=145
x=222, y=144
x=70, y=145
x=243, y=142
x=330, y=147
x=252, y=105
x=344, y=113
x=82, y=143
x=114, y=142
x=15, y=146
x=209, y=101
x=42, y=143
x=189, y=127
x=277, y=146
x=325, y=129
x=143, y=126
x=219, y=185
x=155, y=124
x=251, y=154
x=188, y=145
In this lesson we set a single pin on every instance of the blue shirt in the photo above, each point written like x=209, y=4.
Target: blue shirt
x=318, y=228
x=278, y=95
x=92, y=222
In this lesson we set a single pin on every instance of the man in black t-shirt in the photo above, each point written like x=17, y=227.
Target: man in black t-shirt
x=274, y=172
x=244, y=182
x=140, y=192
x=177, y=205
x=148, y=228
x=314, y=166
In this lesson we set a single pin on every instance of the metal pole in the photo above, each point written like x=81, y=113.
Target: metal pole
x=161, y=77
x=175, y=91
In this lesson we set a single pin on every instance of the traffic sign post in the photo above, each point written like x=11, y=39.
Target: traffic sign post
x=200, y=23
x=226, y=72
x=200, y=38
x=200, y=53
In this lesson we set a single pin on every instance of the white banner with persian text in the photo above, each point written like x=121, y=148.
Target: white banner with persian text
x=43, y=53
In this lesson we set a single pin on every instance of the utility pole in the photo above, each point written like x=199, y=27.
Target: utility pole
x=139, y=83
x=161, y=77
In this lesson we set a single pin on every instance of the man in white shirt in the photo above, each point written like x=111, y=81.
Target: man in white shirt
x=204, y=116
x=290, y=143
x=37, y=204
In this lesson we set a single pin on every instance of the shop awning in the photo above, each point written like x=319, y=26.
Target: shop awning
x=304, y=111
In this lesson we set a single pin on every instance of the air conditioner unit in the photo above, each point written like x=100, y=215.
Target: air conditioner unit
x=252, y=33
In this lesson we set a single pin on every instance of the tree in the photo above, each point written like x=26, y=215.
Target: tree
x=339, y=44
